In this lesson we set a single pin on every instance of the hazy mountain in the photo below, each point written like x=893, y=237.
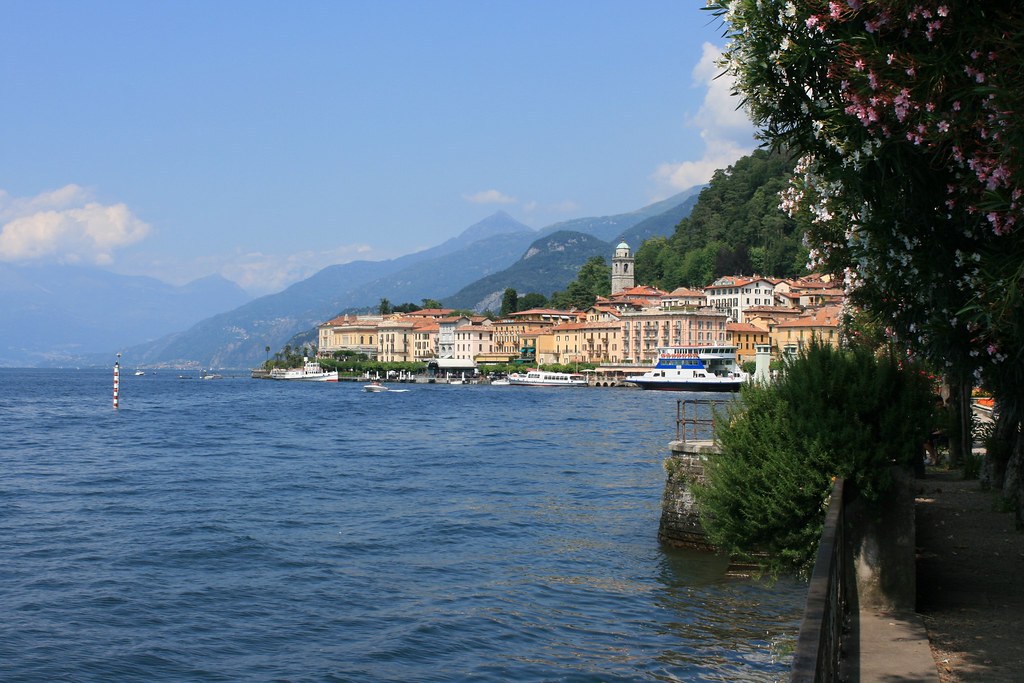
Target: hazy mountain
x=548, y=266
x=614, y=228
x=464, y=271
x=238, y=338
x=662, y=225
x=55, y=314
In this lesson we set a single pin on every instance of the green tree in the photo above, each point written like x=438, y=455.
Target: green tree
x=432, y=303
x=384, y=308
x=592, y=280
x=532, y=300
x=832, y=413
x=509, y=301
x=906, y=118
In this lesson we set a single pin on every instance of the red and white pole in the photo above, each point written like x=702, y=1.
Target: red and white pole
x=117, y=374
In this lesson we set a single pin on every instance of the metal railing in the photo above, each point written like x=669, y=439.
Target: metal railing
x=819, y=645
x=695, y=419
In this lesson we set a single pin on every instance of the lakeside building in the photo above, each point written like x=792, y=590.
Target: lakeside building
x=425, y=340
x=637, y=298
x=395, y=340
x=344, y=333
x=643, y=332
x=734, y=295
x=682, y=297
x=593, y=341
x=473, y=339
x=791, y=336
x=746, y=337
x=515, y=336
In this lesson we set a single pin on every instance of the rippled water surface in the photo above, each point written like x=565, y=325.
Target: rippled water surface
x=238, y=529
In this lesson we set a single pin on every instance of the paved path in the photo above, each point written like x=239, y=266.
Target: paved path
x=970, y=580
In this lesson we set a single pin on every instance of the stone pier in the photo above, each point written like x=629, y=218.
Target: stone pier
x=680, y=525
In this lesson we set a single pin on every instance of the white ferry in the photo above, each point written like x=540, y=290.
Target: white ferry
x=542, y=378
x=693, y=368
x=310, y=372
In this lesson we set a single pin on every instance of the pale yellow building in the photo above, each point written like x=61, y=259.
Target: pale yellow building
x=745, y=337
x=583, y=342
x=349, y=333
x=395, y=341
x=792, y=336
x=515, y=336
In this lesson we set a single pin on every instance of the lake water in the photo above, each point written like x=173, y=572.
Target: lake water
x=238, y=529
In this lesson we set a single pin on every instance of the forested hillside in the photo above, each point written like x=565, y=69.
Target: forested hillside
x=736, y=228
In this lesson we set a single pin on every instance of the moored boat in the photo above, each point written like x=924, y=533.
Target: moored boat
x=311, y=371
x=543, y=378
x=693, y=368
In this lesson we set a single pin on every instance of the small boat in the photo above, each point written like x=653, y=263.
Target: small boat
x=375, y=387
x=139, y=373
x=500, y=382
x=542, y=378
x=311, y=371
x=210, y=375
x=693, y=368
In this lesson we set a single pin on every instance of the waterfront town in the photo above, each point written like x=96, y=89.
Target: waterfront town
x=618, y=333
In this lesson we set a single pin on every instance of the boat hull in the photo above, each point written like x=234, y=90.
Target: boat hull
x=685, y=385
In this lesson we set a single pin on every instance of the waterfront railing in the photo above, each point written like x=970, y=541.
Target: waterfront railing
x=819, y=645
x=695, y=419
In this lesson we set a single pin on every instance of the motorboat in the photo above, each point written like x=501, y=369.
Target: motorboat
x=693, y=368
x=543, y=378
x=375, y=387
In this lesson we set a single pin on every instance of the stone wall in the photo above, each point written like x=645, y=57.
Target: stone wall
x=680, y=525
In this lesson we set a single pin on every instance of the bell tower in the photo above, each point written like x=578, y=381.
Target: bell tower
x=622, y=268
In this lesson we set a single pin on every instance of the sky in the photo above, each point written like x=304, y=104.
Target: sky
x=263, y=141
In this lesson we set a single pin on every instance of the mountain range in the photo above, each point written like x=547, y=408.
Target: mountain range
x=470, y=271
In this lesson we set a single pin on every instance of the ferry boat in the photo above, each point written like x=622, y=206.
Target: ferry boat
x=693, y=368
x=310, y=372
x=542, y=378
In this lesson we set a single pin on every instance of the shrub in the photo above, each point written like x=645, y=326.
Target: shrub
x=832, y=413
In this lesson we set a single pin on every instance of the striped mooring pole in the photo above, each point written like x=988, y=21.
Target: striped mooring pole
x=117, y=374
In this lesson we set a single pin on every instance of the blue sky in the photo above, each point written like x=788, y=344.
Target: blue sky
x=264, y=141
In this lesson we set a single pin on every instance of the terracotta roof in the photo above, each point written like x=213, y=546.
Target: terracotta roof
x=683, y=291
x=744, y=327
x=827, y=316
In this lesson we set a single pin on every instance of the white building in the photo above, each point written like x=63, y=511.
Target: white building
x=733, y=295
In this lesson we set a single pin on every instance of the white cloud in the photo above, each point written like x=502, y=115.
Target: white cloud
x=489, y=197
x=65, y=226
x=725, y=130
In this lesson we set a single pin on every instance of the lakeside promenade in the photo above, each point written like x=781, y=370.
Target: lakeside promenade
x=970, y=583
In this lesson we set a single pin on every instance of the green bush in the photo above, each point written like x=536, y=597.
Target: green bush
x=832, y=413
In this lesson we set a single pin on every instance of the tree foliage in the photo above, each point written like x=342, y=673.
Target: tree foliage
x=907, y=119
x=509, y=302
x=592, y=280
x=832, y=413
x=735, y=228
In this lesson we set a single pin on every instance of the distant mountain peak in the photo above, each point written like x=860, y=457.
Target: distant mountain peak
x=498, y=223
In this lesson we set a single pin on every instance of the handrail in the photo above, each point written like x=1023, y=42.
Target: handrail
x=692, y=424
x=818, y=647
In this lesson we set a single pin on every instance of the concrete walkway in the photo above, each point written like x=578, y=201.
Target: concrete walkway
x=888, y=647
